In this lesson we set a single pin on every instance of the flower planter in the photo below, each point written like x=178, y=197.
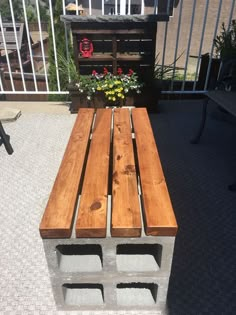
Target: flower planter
x=98, y=101
x=78, y=100
x=104, y=90
x=148, y=98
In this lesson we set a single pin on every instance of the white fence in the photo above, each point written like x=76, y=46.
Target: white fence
x=189, y=33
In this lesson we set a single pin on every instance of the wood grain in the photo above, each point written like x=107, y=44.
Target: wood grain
x=126, y=218
x=58, y=216
x=92, y=215
x=158, y=212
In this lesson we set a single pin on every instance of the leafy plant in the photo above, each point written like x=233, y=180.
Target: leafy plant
x=114, y=87
x=19, y=13
x=68, y=69
x=225, y=42
x=165, y=72
x=60, y=40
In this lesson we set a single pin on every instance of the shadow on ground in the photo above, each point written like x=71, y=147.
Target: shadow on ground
x=202, y=278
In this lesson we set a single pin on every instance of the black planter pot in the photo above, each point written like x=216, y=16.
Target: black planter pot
x=148, y=98
x=214, y=70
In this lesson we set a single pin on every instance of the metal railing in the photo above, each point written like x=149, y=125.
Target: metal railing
x=189, y=33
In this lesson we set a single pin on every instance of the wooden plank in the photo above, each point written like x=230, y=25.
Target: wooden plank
x=158, y=212
x=126, y=218
x=92, y=215
x=134, y=57
x=97, y=57
x=58, y=216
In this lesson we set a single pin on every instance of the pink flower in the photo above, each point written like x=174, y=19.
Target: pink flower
x=119, y=71
x=105, y=71
x=130, y=72
x=94, y=72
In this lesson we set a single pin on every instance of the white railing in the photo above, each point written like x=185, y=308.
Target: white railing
x=184, y=35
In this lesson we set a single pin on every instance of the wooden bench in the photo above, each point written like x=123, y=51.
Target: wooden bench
x=109, y=185
x=226, y=101
x=92, y=215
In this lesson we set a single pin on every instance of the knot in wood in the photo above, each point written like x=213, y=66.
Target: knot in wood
x=115, y=175
x=96, y=205
x=129, y=169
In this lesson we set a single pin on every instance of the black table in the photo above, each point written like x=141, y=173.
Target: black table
x=225, y=100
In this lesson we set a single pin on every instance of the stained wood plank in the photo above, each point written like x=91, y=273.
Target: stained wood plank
x=58, y=215
x=92, y=215
x=158, y=211
x=126, y=218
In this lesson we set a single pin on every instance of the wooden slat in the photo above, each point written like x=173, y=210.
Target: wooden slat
x=92, y=216
x=158, y=211
x=58, y=216
x=126, y=219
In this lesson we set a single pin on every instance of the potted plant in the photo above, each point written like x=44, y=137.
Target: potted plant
x=225, y=42
x=225, y=48
x=158, y=79
x=68, y=67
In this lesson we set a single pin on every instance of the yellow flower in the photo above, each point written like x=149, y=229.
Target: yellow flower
x=99, y=88
x=110, y=86
x=113, y=98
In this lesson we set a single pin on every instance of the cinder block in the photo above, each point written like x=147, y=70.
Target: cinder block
x=110, y=293
x=152, y=254
x=113, y=273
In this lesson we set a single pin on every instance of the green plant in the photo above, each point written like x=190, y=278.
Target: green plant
x=19, y=13
x=60, y=39
x=165, y=72
x=6, y=12
x=225, y=42
x=114, y=87
x=68, y=69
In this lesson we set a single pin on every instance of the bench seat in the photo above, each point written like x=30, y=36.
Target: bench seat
x=111, y=161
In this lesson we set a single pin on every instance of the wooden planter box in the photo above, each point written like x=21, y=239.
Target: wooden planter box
x=148, y=98
x=79, y=100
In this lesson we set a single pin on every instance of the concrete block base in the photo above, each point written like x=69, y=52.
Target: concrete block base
x=110, y=273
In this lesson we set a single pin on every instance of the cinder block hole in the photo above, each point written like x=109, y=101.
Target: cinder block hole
x=138, y=257
x=83, y=294
x=79, y=258
x=136, y=293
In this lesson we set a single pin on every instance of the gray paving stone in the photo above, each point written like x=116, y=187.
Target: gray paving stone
x=9, y=114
